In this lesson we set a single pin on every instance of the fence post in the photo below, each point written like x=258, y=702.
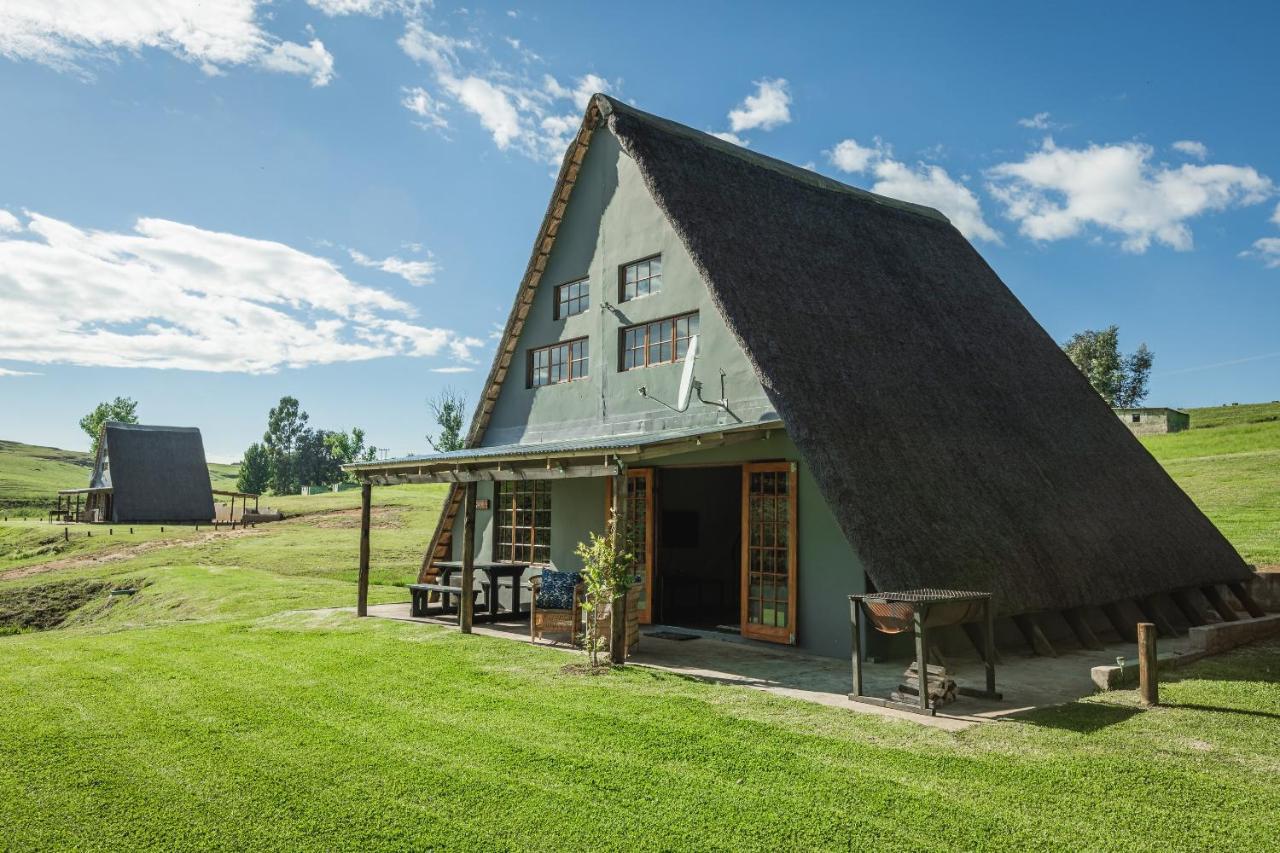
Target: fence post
x=1148, y=677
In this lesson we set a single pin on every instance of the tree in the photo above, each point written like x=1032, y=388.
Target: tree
x=121, y=410
x=1121, y=380
x=286, y=423
x=349, y=447
x=255, y=470
x=447, y=407
x=314, y=463
x=1137, y=369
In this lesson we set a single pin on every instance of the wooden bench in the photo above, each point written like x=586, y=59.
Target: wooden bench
x=421, y=593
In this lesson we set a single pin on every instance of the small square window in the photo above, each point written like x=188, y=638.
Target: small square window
x=572, y=298
x=1137, y=419
x=640, y=279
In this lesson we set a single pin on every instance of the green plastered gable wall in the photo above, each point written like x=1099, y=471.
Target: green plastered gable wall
x=611, y=220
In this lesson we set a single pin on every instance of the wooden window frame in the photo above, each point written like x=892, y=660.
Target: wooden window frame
x=571, y=371
x=503, y=504
x=585, y=299
x=771, y=633
x=649, y=344
x=645, y=617
x=622, y=278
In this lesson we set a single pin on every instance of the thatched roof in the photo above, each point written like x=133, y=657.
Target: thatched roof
x=956, y=444
x=157, y=473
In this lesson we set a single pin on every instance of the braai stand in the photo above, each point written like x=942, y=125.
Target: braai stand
x=922, y=610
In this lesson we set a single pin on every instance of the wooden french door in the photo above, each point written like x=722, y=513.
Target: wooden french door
x=769, y=551
x=638, y=512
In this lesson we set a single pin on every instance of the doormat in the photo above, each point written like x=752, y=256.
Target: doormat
x=672, y=635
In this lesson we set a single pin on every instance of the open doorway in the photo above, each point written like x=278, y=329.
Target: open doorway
x=698, y=566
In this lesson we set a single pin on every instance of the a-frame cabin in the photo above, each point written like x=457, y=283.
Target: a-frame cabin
x=869, y=410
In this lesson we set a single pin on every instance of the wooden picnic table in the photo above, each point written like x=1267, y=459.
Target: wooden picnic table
x=494, y=572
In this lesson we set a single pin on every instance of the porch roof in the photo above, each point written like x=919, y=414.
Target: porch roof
x=596, y=456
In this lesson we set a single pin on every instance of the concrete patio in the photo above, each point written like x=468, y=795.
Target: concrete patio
x=1027, y=682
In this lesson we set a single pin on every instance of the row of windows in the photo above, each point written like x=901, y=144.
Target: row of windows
x=660, y=342
x=636, y=279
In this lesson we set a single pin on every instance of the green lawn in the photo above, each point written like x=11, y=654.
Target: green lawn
x=1229, y=463
x=230, y=705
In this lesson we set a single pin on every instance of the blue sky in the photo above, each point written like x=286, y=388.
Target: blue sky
x=335, y=199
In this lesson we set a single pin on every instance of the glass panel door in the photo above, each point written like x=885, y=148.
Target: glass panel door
x=769, y=551
x=638, y=513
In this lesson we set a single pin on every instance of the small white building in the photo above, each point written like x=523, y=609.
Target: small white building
x=1151, y=421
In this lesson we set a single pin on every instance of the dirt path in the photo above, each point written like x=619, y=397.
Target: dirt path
x=122, y=553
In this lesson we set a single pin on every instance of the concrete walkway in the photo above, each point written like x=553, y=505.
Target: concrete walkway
x=1026, y=681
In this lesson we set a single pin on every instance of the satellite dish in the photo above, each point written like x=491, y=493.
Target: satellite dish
x=686, y=376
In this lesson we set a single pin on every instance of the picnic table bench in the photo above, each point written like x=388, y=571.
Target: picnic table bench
x=492, y=576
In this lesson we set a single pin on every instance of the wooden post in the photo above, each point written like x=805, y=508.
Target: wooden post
x=618, y=607
x=922, y=656
x=466, y=604
x=989, y=644
x=362, y=583
x=855, y=622
x=1148, y=678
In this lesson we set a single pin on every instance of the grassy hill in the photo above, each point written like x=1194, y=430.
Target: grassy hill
x=1229, y=463
x=31, y=475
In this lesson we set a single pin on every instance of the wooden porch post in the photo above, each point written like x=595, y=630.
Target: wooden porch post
x=466, y=603
x=362, y=585
x=618, y=607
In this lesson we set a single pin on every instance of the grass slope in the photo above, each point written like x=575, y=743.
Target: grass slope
x=1229, y=463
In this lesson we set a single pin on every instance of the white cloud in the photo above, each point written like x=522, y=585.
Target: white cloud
x=1191, y=148
x=170, y=295
x=453, y=369
x=1268, y=249
x=769, y=107
x=68, y=34
x=1039, y=121
x=1055, y=193
x=418, y=101
x=1275, y=216
x=8, y=222
x=417, y=273
x=311, y=59
x=924, y=183
x=849, y=156
x=519, y=114
x=4, y=371
x=336, y=8
x=731, y=137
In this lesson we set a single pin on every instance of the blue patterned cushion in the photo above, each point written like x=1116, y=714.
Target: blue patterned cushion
x=556, y=590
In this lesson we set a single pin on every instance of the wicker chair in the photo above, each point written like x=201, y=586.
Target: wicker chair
x=555, y=620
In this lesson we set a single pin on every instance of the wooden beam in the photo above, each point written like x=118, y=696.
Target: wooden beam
x=1190, y=612
x=1031, y=631
x=1154, y=613
x=1242, y=595
x=1080, y=627
x=974, y=632
x=486, y=475
x=1217, y=603
x=466, y=606
x=1148, y=681
x=362, y=582
x=618, y=607
x=1127, y=630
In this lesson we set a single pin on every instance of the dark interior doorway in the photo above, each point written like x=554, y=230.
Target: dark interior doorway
x=698, y=565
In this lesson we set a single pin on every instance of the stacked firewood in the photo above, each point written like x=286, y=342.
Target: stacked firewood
x=941, y=687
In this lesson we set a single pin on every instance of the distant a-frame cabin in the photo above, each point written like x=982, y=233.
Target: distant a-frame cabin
x=143, y=474
x=870, y=409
